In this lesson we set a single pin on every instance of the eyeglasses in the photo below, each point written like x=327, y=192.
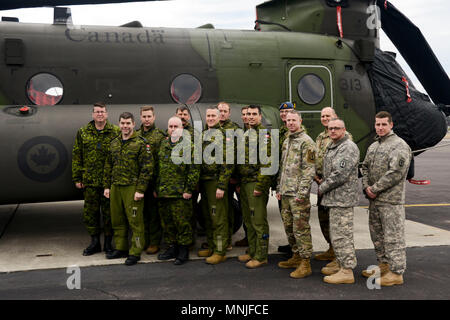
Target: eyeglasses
x=335, y=128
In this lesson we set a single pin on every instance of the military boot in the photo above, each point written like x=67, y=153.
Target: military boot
x=132, y=260
x=204, y=253
x=183, y=255
x=331, y=268
x=244, y=258
x=326, y=256
x=303, y=270
x=389, y=279
x=152, y=249
x=340, y=277
x=216, y=259
x=253, y=264
x=242, y=243
x=117, y=254
x=293, y=262
x=384, y=267
x=94, y=246
x=170, y=253
x=107, y=246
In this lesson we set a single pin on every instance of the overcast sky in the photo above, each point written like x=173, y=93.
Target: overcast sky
x=431, y=16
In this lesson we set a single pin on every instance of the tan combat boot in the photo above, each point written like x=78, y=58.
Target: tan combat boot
x=293, y=262
x=244, y=258
x=204, y=253
x=303, y=270
x=326, y=256
x=331, y=268
x=253, y=264
x=152, y=249
x=340, y=277
x=384, y=267
x=216, y=259
x=389, y=279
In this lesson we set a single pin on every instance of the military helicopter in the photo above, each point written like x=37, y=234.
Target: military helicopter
x=314, y=53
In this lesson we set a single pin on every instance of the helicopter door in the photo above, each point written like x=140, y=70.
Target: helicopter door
x=310, y=88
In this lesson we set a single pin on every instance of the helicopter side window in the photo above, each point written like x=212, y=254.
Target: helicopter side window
x=44, y=89
x=186, y=89
x=311, y=89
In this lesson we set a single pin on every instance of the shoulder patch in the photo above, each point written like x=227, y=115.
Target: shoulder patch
x=311, y=156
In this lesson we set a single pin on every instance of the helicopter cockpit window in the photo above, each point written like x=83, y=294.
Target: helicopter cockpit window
x=186, y=89
x=44, y=89
x=311, y=89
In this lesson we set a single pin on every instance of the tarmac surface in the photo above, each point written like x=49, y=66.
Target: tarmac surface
x=40, y=243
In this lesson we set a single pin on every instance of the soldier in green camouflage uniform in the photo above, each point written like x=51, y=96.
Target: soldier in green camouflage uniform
x=384, y=173
x=152, y=220
x=88, y=158
x=175, y=184
x=339, y=190
x=254, y=189
x=214, y=186
x=128, y=170
x=227, y=124
x=297, y=170
x=323, y=140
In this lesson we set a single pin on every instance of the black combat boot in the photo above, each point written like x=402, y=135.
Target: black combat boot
x=170, y=253
x=132, y=260
x=183, y=255
x=117, y=254
x=107, y=246
x=94, y=247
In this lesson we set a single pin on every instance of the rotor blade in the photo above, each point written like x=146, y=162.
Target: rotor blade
x=17, y=4
x=415, y=49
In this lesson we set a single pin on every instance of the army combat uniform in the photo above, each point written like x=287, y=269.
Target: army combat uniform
x=340, y=194
x=384, y=170
x=152, y=220
x=254, y=208
x=294, y=181
x=88, y=158
x=128, y=169
x=323, y=140
x=172, y=181
x=215, y=175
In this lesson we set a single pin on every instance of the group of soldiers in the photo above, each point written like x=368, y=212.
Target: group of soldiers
x=134, y=179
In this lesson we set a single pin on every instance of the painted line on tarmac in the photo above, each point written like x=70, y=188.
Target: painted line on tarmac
x=420, y=205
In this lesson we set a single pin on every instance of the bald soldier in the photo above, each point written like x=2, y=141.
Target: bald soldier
x=384, y=172
x=295, y=177
x=339, y=191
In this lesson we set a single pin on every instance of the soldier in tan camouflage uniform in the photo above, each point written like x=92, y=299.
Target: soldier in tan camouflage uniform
x=384, y=172
x=293, y=189
x=88, y=158
x=152, y=221
x=339, y=190
x=128, y=170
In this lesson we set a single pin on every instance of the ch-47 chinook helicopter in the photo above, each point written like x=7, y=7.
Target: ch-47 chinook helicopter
x=315, y=53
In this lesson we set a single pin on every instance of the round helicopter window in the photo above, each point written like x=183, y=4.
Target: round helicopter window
x=311, y=89
x=186, y=89
x=44, y=89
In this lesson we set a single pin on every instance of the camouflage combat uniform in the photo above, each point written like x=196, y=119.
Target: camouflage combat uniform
x=295, y=177
x=254, y=208
x=384, y=170
x=227, y=125
x=152, y=220
x=215, y=176
x=340, y=195
x=128, y=169
x=322, y=142
x=172, y=181
x=88, y=158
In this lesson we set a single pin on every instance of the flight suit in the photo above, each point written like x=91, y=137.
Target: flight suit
x=128, y=169
x=384, y=170
x=152, y=220
x=172, y=181
x=215, y=174
x=339, y=190
x=254, y=208
x=294, y=181
x=88, y=158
